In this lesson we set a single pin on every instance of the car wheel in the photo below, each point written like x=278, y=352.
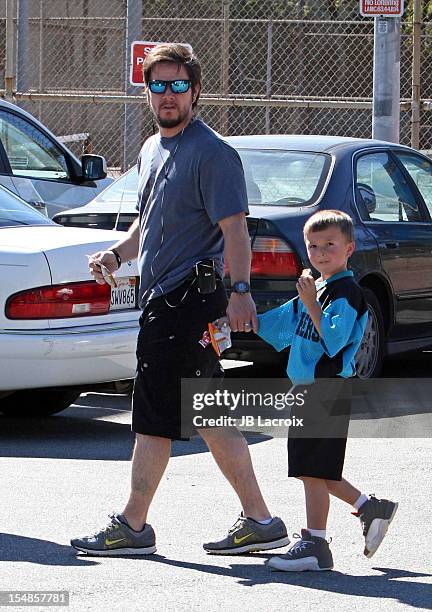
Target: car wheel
x=38, y=402
x=370, y=356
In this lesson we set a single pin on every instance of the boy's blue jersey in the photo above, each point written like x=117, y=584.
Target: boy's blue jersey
x=343, y=324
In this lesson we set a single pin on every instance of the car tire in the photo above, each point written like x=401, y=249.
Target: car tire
x=370, y=356
x=38, y=402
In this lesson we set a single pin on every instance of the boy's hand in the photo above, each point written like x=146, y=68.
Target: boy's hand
x=306, y=288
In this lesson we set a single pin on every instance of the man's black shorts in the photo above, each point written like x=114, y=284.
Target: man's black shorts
x=168, y=350
x=318, y=449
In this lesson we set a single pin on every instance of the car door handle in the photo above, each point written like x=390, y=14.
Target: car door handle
x=391, y=245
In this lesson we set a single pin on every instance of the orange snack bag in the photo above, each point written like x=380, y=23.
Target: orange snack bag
x=220, y=336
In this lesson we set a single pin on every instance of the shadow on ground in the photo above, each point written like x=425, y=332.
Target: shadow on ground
x=20, y=549
x=95, y=428
x=70, y=437
x=383, y=583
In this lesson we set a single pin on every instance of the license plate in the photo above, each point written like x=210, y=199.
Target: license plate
x=125, y=294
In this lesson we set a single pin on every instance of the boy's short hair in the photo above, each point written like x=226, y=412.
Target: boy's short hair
x=324, y=219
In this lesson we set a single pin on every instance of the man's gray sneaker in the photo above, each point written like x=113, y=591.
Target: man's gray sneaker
x=309, y=553
x=375, y=517
x=117, y=539
x=247, y=535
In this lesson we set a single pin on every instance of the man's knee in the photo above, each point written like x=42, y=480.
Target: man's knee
x=145, y=438
x=221, y=434
x=145, y=443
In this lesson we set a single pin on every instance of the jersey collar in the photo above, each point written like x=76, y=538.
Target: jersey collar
x=343, y=274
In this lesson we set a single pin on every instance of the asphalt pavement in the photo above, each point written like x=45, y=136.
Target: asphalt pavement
x=61, y=477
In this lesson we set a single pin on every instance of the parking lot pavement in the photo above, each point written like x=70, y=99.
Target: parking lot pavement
x=62, y=476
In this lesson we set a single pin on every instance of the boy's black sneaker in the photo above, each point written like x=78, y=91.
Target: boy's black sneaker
x=310, y=553
x=375, y=517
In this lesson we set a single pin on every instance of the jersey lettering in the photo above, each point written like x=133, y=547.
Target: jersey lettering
x=306, y=328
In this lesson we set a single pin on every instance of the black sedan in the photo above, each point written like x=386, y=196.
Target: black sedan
x=386, y=189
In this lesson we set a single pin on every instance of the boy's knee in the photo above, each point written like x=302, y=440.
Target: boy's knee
x=309, y=479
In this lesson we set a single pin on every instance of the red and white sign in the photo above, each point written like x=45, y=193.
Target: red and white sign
x=139, y=51
x=389, y=8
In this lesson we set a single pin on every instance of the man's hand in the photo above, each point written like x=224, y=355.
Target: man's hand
x=127, y=249
x=107, y=259
x=306, y=289
x=241, y=313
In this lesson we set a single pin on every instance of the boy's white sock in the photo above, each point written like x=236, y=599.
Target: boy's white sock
x=318, y=533
x=361, y=500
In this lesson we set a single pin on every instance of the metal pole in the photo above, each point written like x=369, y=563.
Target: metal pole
x=85, y=79
x=269, y=73
x=415, y=95
x=297, y=120
x=132, y=112
x=225, y=65
x=386, y=79
x=10, y=59
x=41, y=50
x=41, y=43
x=23, y=46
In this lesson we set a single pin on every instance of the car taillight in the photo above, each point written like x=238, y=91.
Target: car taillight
x=272, y=257
x=60, y=301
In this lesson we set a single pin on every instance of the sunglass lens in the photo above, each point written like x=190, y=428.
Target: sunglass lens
x=157, y=87
x=180, y=86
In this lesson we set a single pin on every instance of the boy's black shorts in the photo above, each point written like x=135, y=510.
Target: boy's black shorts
x=168, y=350
x=318, y=448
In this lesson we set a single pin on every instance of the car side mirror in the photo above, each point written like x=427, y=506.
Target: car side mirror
x=94, y=167
x=368, y=196
x=39, y=206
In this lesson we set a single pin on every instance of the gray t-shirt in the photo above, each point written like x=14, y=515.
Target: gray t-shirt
x=187, y=184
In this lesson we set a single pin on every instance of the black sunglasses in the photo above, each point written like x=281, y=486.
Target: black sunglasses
x=178, y=86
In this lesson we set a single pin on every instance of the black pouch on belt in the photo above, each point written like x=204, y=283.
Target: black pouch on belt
x=206, y=275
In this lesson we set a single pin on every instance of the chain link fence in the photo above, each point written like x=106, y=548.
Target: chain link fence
x=426, y=82
x=282, y=66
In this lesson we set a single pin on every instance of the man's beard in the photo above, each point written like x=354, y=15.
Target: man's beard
x=170, y=123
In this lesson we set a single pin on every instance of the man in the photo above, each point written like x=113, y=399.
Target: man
x=192, y=204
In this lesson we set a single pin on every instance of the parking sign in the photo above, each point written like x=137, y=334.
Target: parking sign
x=389, y=8
x=139, y=50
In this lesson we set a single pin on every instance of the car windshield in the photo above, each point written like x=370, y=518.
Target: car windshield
x=124, y=189
x=13, y=211
x=273, y=177
x=284, y=178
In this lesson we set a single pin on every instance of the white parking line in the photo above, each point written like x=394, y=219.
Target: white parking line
x=97, y=408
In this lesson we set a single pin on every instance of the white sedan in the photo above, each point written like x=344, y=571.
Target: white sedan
x=59, y=330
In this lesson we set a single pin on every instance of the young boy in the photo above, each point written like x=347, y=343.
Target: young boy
x=324, y=327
